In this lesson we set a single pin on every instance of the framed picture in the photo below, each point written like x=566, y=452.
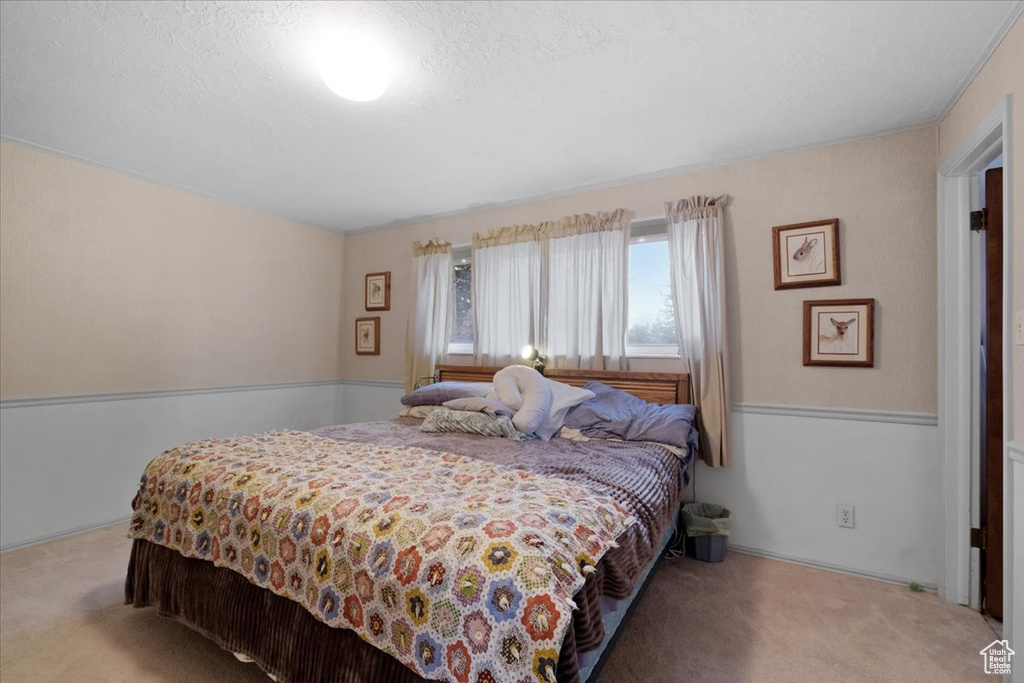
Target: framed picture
x=368, y=336
x=840, y=332
x=806, y=254
x=378, y=291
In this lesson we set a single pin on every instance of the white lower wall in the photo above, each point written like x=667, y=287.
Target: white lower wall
x=70, y=466
x=789, y=473
x=67, y=466
x=369, y=401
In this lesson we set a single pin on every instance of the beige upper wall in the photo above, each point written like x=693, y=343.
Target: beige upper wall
x=1002, y=75
x=111, y=284
x=883, y=191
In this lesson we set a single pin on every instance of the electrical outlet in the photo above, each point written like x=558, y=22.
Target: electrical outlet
x=844, y=516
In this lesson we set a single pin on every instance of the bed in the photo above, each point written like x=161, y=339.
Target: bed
x=614, y=510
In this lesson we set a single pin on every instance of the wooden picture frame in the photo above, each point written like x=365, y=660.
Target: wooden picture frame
x=377, y=292
x=840, y=333
x=806, y=254
x=368, y=336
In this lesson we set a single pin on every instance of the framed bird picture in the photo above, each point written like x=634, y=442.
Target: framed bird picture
x=378, y=291
x=806, y=254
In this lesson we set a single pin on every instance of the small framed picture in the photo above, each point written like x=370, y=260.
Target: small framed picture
x=806, y=254
x=840, y=332
x=368, y=336
x=378, y=291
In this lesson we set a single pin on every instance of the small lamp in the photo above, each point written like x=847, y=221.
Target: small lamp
x=536, y=360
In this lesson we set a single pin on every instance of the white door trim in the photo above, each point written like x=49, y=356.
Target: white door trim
x=955, y=347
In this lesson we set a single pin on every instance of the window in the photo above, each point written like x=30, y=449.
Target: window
x=462, y=334
x=651, y=329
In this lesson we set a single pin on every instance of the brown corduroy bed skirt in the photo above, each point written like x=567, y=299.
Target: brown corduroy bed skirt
x=281, y=635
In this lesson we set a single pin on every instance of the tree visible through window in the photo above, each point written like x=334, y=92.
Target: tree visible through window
x=652, y=319
x=462, y=315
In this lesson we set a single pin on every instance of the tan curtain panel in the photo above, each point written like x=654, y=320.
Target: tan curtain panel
x=427, y=341
x=695, y=238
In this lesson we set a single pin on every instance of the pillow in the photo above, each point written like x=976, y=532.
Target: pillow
x=439, y=392
x=418, y=411
x=525, y=391
x=564, y=398
x=540, y=403
x=491, y=406
x=469, y=422
x=617, y=414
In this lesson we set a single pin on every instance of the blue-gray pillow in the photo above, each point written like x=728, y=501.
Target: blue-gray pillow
x=616, y=414
x=439, y=392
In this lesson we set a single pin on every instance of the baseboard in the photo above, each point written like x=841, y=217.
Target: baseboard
x=64, y=534
x=838, y=569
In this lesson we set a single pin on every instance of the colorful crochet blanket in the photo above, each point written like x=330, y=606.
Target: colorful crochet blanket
x=459, y=568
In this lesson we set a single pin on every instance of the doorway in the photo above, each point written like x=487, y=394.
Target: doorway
x=960, y=434
x=987, y=389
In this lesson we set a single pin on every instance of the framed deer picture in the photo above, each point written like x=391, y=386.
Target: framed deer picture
x=806, y=254
x=840, y=332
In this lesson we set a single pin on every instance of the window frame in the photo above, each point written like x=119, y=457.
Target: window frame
x=640, y=231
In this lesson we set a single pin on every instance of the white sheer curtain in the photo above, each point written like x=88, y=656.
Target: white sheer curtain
x=428, y=343
x=698, y=293
x=587, y=293
x=506, y=293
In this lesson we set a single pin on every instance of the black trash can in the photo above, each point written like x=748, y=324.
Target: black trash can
x=707, y=528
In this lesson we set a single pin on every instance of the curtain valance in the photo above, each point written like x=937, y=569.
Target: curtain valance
x=434, y=246
x=580, y=224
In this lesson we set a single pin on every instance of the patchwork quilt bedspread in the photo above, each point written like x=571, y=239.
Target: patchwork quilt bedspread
x=460, y=568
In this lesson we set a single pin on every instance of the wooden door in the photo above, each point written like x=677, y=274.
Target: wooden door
x=992, y=459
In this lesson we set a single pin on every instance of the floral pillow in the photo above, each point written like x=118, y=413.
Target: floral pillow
x=469, y=422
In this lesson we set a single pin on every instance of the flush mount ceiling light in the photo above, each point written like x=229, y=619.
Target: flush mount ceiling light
x=354, y=67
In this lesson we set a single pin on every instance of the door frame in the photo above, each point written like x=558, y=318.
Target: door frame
x=955, y=350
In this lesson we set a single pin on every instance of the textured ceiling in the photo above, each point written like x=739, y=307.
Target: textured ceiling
x=491, y=102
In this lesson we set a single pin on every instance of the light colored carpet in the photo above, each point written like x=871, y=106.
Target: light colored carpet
x=746, y=619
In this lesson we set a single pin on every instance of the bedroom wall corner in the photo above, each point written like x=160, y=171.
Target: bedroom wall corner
x=135, y=317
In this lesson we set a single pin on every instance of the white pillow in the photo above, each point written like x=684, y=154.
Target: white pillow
x=563, y=398
x=524, y=390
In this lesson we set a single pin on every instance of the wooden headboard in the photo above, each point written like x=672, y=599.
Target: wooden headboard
x=656, y=387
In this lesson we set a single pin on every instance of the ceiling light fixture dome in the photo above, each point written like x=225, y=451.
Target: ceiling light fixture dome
x=354, y=67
